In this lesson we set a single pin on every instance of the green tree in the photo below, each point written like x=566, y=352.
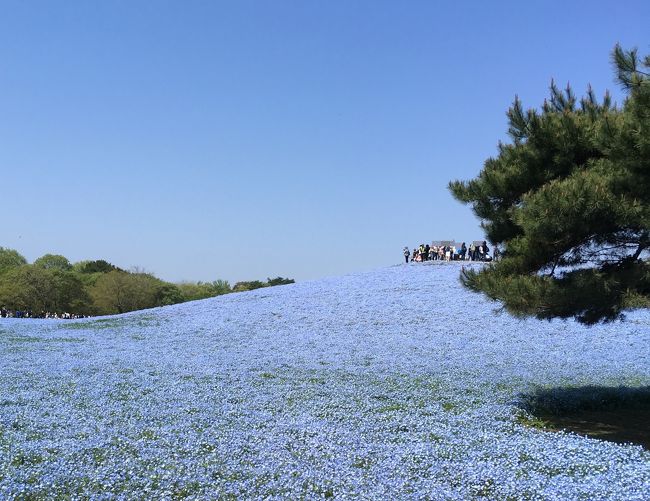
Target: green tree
x=9, y=259
x=70, y=293
x=220, y=287
x=53, y=262
x=90, y=271
x=279, y=281
x=26, y=288
x=568, y=200
x=167, y=294
x=34, y=288
x=192, y=291
x=120, y=291
x=97, y=266
x=202, y=290
x=248, y=286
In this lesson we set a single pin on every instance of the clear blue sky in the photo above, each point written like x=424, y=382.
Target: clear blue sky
x=245, y=140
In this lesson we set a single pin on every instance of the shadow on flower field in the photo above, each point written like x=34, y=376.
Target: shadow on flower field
x=616, y=414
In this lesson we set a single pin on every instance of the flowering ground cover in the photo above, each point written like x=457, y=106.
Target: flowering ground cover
x=390, y=384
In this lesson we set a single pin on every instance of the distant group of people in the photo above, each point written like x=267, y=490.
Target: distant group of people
x=480, y=252
x=4, y=313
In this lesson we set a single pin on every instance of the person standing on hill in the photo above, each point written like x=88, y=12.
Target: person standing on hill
x=406, y=254
x=472, y=252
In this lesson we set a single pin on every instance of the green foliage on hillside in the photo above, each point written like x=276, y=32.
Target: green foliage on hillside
x=119, y=292
x=569, y=202
x=248, y=286
x=52, y=284
x=256, y=284
x=202, y=290
x=270, y=282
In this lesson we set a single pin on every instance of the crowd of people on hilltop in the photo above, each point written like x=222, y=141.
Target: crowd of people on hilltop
x=480, y=252
x=4, y=313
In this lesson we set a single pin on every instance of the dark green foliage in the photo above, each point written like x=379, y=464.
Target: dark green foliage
x=248, y=286
x=279, y=281
x=168, y=294
x=569, y=203
x=98, y=266
x=9, y=259
x=256, y=284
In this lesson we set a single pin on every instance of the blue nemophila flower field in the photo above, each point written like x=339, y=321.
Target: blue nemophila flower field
x=392, y=384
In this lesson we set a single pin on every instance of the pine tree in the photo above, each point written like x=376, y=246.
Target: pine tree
x=568, y=201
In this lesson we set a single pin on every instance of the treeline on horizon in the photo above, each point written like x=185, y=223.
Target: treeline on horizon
x=53, y=284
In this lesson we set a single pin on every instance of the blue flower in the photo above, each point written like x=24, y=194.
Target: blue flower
x=396, y=383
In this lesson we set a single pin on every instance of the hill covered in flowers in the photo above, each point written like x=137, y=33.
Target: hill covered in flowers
x=396, y=383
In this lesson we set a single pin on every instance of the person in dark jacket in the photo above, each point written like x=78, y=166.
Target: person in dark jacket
x=486, y=251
